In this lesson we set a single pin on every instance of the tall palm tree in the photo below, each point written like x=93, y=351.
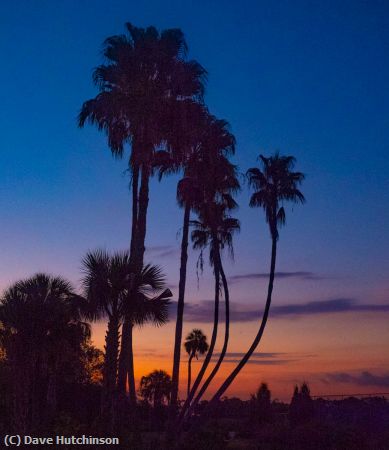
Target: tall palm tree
x=40, y=323
x=207, y=173
x=195, y=344
x=215, y=230
x=156, y=387
x=274, y=183
x=144, y=87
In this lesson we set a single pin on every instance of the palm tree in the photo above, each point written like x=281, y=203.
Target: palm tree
x=40, y=323
x=215, y=230
x=274, y=183
x=105, y=284
x=144, y=87
x=207, y=172
x=156, y=387
x=195, y=344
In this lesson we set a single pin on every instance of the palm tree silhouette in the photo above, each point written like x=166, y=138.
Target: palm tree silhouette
x=207, y=174
x=195, y=344
x=156, y=387
x=107, y=285
x=215, y=230
x=40, y=323
x=274, y=183
x=144, y=86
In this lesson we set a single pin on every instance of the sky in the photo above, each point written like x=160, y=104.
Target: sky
x=306, y=78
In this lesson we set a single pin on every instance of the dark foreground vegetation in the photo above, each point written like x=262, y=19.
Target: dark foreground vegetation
x=258, y=423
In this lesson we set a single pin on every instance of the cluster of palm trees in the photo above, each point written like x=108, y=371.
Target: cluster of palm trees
x=42, y=332
x=151, y=101
x=151, y=97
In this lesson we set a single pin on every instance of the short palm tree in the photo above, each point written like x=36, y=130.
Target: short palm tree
x=156, y=387
x=274, y=183
x=144, y=88
x=107, y=284
x=195, y=344
x=40, y=323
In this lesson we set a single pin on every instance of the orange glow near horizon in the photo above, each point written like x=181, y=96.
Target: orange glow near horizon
x=304, y=349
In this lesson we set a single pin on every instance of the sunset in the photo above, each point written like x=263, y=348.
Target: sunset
x=195, y=199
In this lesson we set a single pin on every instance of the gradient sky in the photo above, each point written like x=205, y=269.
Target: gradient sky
x=307, y=78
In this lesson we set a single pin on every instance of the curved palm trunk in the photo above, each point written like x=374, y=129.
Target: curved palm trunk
x=110, y=367
x=258, y=337
x=226, y=339
x=189, y=374
x=180, y=308
x=210, y=350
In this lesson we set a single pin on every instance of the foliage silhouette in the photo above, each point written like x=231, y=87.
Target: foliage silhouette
x=156, y=387
x=261, y=404
x=274, y=183
x=111, y=292
x=195, y=344
x=41, y=326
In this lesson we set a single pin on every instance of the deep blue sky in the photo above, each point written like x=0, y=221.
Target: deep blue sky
x=307, y=78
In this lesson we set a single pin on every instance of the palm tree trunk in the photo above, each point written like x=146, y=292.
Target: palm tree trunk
x=226, y=337
x=51, y=394
x=21, y=380
x=134, y=219
x=138, y=248
x=110, y=366
x=123, y=356
x=131, y=375
x=189, y=374
x=180, y=308
x=210, y=350
x=258, y=337
x=139, y=244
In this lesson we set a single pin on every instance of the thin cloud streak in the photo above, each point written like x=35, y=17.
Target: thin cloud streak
x=255, y=355
x=300, y=275
x=203, y=312
x=365, y=378
x=162, y=251
x=261, y=362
